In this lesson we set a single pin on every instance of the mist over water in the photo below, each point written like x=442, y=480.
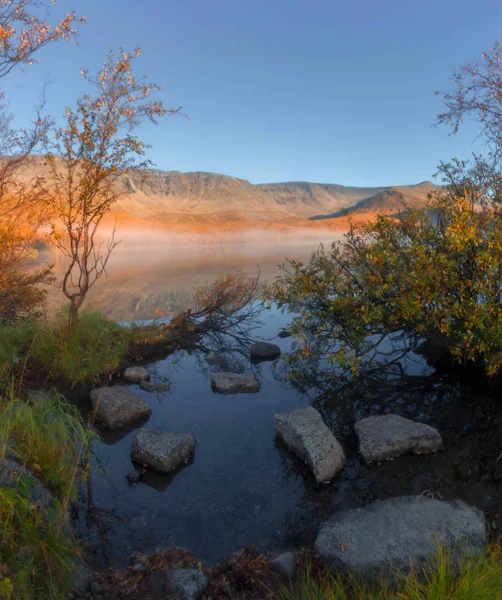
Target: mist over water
x=156, y=270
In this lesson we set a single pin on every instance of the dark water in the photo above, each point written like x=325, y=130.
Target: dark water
x=243, y=488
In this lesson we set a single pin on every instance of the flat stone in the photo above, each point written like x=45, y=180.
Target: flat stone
x=136, y=374
x=116, y=407
x=265, y=350
x=304, y=432
x=190, y=584
x=389, y=536
x=10, y=472
x=162, y=451
x=234, y=383
x=154, y=388
x=386, y=436
x=284, y=564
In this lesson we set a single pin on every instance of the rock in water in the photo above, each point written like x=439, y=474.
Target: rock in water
x=264, y=350
x=303, y=432
x=213, y=358
x=234, y=383
x=136, y=374
x=154, y=388
x=190, y=584
x=162, y=451
x=116, y=407
x=374, y=541
x=386, y=436
x=284, y=333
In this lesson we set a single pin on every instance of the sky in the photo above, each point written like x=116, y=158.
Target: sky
x=282, y=90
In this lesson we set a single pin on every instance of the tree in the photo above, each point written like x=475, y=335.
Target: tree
x=478, y=93
x=432, y=274
x=87, y=158
x=24, y=29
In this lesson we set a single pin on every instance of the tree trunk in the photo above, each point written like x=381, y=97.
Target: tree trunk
x=73, y=315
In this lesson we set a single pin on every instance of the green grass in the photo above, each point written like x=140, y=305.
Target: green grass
x=472, y=579
x=47, y=350
x=37, y=549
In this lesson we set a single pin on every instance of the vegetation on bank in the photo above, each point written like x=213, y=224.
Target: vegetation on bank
x=38, y=552
x=474, y=579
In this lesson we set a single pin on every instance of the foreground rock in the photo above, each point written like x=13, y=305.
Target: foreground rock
x=116, y=407
x=11, y=470
x=162, y=451
x=265, y=351
x=375, y=541
x=303, y=432
x=136, y=374
x=189, y=584
x=386, y=436
x=234, y=383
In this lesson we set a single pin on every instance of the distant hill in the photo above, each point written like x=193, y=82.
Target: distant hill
x=208, y=200
x=388, y=201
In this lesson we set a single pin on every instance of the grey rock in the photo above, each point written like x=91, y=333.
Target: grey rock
x=136, y=374
x=386, y=436
x=154, y=388
x=10, y=472
x=213, y=358
x=134, y=476
x=82, y=579
x=116, y=407
x=139, y=562
x=303, y=432
x=387, y=536
x=234, y=383
x=284, y=564
x=265, y=350
x=162, y=451
x=284, y=333
x=190, y=584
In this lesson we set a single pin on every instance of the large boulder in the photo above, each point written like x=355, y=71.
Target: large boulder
x=386, y=436
x=136, y=374
x=10, y=472
x=303, y=432
x=265, y=351
x=116, y=407
x=162, y=451
x=189, y=584
x=391, y=535
x=234, y=383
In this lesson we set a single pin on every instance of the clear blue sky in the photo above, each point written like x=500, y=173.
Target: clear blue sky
x=278, y=90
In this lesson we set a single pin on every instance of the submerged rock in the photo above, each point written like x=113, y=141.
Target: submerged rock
x=374, y=541
x=264, y=350
x=303, y=432
x=134, y=476
x=386, y=436
x=190, y=584
x=162, y=451
x=116, y=407
x=234, y=383
x=213, y=358
x=284, y=333
x=284, y=564
x=136, y=374
x=154, y=388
